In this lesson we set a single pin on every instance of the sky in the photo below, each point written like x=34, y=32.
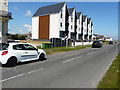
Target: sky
x=103, y=14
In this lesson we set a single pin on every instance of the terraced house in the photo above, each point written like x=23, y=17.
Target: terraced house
x=60, y=25
x=90, y=29
x=79, y=26
x=72, y=23
x=4, y=17
x=85, y=28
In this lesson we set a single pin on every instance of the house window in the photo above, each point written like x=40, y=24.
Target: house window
x=71, y=35
x=71, y=17
x=79, y=21
x=3, y=29
x=71, y=26
x=62, y=34
x=61, y=14
x=79, y=36
x=60, y=24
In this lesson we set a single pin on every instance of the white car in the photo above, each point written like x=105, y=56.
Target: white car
x=12, y=53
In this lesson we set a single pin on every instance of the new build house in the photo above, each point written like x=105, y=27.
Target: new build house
x=72, y=24
x=4, y=17
x=57, y=24
x=90, y=31
x=51, y=23
x=85, y=28
x=79, y=26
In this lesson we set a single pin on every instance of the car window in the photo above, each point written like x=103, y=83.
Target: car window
x=4, y=46
x=96, y=42
x=28, y=47
x=18, y=47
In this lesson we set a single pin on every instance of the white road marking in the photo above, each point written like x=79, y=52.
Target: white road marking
x=71, y=59
x=78, y=57
x=20, y=75
x=68, y=60
x=11, y=78
x=34, y=71
x=90, y=53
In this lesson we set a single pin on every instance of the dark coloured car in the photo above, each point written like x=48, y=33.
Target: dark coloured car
x=111, y=42
x=97, y=44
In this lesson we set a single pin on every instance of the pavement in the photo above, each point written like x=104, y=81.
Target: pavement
x=74, y=69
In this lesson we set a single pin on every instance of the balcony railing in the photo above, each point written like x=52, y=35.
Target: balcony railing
x=6, y=14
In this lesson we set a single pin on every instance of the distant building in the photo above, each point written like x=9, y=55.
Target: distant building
x=29, y=36
x=109, y=39
x=101, y=37
x=4, y=17
x=95, y=37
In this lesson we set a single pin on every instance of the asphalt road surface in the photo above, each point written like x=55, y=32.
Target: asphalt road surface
x=74, y=69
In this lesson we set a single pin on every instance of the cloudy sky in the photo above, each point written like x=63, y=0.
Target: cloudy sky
x=104, y=15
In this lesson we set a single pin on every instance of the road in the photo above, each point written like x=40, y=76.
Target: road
x=74, y=69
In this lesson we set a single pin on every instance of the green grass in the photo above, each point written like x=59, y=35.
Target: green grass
x=64, y=49
x=111, y=79
x=105, y=43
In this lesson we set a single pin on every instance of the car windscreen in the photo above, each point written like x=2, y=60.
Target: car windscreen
x=4, y=46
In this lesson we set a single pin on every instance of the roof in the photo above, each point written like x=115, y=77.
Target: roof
x=70, y=10
x=84, y=17
x=101, y=36
x=47, y=10
x=78, y=14
x=108, y=37
x=89, y=19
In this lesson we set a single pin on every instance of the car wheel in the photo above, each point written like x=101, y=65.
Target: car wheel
x=11, y=62
x=41, y=57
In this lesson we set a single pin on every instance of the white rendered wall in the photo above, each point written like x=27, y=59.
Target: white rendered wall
x=4, y=29
x=92, y=32
x=89, y=30
x=35, y=27
x=54, y=30
x=79, y=26
x=72, y=23
x=4, y=5
x=62, y=20
x=84, y=28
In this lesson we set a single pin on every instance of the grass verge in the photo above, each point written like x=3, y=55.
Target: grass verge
x=64, y=49
x=111, y=79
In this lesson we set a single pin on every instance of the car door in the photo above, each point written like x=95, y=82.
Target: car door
x=30, y=52
x=18, y=51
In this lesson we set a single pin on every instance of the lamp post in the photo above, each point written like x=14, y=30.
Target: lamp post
x=66, y=41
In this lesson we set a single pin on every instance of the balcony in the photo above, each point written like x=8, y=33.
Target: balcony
x=5, y=14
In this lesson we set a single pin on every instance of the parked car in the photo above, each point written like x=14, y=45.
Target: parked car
x=111, y=42
x=96, y=44
x=12, y=53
